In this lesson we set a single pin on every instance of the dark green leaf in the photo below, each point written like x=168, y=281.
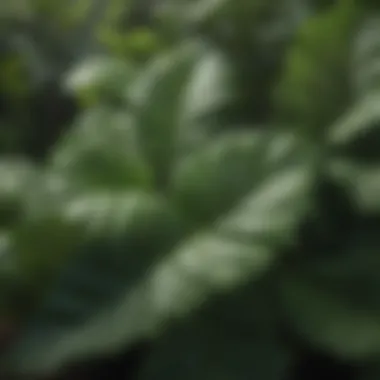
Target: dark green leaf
x=122, y=235
x=314, y=88
x=333, y=301
x=16, y=177
x=355, y=141
x=233, y=337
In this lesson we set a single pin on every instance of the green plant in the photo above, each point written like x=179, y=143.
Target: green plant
x=174, y=211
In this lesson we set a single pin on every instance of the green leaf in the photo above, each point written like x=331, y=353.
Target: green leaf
x=47, y=240
x=328, y=323
x=314, y=88
x=360, y=124
x=101, y=151
x=202, y=11
x=238, y=245
x=355, y=143
x=157, y=97
x=210, y=180
x=262, y=217
x=207, y=94
x=42, y=244
x=43, y=240
x=213, y=179
x=16, y=177
x=39, y=240
x=333, y=301
x=122, y=235
x=362, y=182
x=99, y=78
x=233, y=337
x=366, y=57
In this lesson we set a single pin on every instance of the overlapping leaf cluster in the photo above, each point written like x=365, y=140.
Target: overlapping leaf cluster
x=232, y=191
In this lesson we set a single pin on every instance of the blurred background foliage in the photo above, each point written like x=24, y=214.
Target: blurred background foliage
x=189, y=189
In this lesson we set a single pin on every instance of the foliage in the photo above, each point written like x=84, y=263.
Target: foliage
x=215, y=192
